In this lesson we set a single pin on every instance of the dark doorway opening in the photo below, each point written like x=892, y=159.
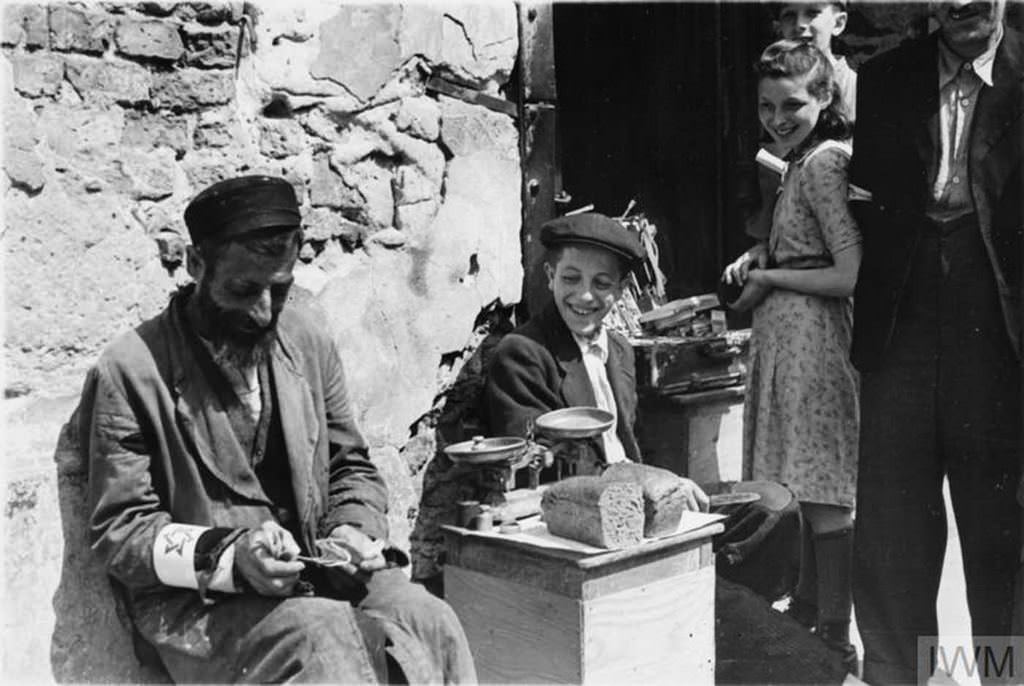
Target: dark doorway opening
x=656, y=103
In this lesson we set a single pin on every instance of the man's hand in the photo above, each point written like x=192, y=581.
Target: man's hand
x=265, y=559
x=367, y=554
x=696, y=499
x=736, y=273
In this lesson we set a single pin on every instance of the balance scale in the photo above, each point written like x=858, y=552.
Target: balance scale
x=560, y=440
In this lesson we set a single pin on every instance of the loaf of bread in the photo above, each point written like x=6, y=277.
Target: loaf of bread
x=664, y=499
x=597, y=511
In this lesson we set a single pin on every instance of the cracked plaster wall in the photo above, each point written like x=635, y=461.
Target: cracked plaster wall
x=116, y=114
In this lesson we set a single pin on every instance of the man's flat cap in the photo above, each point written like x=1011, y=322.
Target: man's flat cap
x=241, y=205
x=591, y=228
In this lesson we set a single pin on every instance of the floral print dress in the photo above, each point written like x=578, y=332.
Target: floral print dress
x=801, y=418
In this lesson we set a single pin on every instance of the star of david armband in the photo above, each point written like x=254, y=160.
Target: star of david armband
x=199, y=557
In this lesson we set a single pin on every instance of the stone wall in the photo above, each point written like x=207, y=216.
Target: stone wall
x=116, y=114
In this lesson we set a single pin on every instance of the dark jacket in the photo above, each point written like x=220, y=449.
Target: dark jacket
x=897, y=122
x=539, y=367
x=160, y=449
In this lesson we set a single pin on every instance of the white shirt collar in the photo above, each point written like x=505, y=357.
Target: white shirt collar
x=600, y=341
x=949, y=61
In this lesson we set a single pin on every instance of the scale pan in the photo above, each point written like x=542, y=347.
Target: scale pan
x=574, y=422
x=482, y=450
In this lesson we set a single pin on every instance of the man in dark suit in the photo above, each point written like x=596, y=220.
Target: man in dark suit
x=937, y=328
x=565, y=356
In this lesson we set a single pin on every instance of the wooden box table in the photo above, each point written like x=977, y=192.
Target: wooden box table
x=640, y=615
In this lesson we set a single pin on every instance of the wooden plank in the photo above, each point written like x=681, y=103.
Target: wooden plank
x=690, y=539
x=436, y=84
x=537, y=51
x=625, y=575
x=514, y=562
x=541, y=184
x=517, y=634
x=572, y=574
x=662, y=632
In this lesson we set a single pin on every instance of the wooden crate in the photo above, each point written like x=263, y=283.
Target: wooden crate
x=533, y=615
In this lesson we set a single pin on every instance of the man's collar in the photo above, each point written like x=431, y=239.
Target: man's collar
x=600, y=340
x=949, y=61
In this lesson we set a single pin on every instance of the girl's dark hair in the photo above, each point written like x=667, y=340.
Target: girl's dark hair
x=793, y=58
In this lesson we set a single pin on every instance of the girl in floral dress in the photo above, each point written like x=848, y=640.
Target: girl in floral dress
x=801, y=417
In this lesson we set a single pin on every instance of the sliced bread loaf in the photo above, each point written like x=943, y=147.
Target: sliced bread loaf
x=594, y=510
x=664, y=499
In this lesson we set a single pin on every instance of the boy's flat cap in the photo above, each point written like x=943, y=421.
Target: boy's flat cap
x=241, y=205
x=591, y=228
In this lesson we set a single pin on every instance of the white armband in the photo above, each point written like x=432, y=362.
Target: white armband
x=174, y=559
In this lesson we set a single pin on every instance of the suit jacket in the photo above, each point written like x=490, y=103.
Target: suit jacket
x=161, y=449
x=897, y=122
x=538, y=367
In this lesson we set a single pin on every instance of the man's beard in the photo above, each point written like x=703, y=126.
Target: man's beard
x=235, y=338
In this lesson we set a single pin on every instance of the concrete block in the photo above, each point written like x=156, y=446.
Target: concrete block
x=145, y=130
x=416, y=218
x=328, y=189
x=106, y=81
x=193, y=89
x=37, y=74
x=317, y=123
x=150, y=174
x=85, y=143
x=324, y=224
x=27, y=24
x=149, y=38
x=475, y=43
x=60, y=622
x=210, y=13
x=22, y=164
x=80, y=30
x=12, y=33
x=95, y=274
x=216, y=128
x=374, y=183
x=420, y=117
x=389, y=238
x=359, y=48
x=208, y=166
x=419, y=178
x=467, y=128
x=211, y=46
x=281, y=137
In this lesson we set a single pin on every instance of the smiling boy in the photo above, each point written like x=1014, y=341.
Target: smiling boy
x=566, y=356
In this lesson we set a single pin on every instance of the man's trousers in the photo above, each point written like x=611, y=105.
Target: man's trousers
x=945, y=403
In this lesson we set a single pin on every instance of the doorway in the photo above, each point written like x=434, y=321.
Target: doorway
x=656, y=103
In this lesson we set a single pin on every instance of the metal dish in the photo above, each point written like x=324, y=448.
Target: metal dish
x=740, y=498
x=482, y=450
x=574, y=422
